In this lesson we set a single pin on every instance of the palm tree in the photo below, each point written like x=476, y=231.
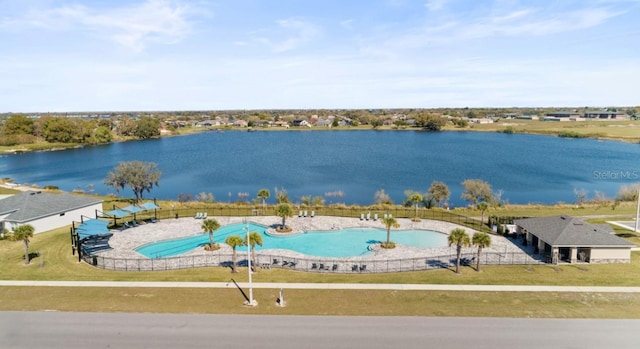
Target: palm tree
x=264, y=194
x=284, y=210
x=234, y=241
x=458, y=237
x=415, y=198
x=209, y=226
x=482, y=206
x=254, y=238
x=24, y=232
x=481, y=240
x=389, y=222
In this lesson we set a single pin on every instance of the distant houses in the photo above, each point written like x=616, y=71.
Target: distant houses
x=587, y=115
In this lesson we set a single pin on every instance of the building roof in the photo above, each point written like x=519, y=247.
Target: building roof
x=31, y=205
x=569, y=231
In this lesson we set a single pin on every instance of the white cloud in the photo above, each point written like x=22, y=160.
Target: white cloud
x=290, y=35
x=435, y=5
x=154, y=21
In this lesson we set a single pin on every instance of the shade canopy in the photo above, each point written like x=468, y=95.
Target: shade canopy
x=132, y=209
x=92, y=227
x=149, y=206
x=117, y=213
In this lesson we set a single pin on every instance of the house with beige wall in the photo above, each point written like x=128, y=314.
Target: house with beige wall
x=572, y=240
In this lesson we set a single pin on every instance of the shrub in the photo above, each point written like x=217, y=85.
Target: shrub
x=213, y=247
x=388, y=245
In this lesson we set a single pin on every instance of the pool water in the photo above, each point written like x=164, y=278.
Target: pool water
x=349, y=242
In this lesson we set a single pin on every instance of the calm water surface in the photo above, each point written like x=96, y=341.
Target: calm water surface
x=528, y=168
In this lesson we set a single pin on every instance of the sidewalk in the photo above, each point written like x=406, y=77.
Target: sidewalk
x=319, y=286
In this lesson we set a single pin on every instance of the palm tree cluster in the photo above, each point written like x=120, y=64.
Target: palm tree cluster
x=460, y=239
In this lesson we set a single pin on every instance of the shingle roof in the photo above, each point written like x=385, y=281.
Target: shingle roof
x=569, y=231
x=30, y=205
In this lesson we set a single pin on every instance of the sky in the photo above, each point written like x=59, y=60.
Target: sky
x=146, y=55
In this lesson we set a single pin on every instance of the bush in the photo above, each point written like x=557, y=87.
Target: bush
x=213, y=247
x=388, y=245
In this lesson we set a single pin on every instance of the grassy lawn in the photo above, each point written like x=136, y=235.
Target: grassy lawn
x=324, y=302
x=55, y=262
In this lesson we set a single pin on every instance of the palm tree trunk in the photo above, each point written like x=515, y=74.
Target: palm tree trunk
x=211, y=239
x=234, y=259
x=253, y=258
x=458, y=252
x=283, y=218
x=388, y=235
x=478, y=261
x=416, y=210
x=26, y=251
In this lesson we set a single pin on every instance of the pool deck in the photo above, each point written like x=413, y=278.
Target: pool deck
x=124, y=242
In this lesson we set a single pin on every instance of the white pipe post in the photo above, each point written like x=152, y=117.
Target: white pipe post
x=251, y=301
x=638, y=211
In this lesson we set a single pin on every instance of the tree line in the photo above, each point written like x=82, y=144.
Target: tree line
x=19, y=129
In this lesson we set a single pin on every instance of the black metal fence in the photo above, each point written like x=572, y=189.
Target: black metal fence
x=310, y=264
x=249, y=210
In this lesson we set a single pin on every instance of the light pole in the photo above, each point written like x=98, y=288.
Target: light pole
x=638, y=210
x=251, y=302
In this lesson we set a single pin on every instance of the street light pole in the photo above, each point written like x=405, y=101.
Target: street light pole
x=251, y=301
x=638, y=210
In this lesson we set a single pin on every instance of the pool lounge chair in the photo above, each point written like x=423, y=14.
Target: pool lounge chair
x=375, y=217
x=369, y=216
x=313, y=214
x=363, y=267
x=362, y=216
x=126, y=225
x=204, y=215
x=334, y=268
x=322, y=266
x=354, y=267
x=198, y=215
x=314, y=266
x=305, y=213
x=300, y=214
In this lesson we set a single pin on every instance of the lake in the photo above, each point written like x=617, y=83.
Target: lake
x=527, y=168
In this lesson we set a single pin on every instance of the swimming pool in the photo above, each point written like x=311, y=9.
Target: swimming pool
x=349, y=242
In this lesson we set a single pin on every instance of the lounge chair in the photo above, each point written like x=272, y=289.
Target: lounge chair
x=284, y=263
x=321, y=266
x=134, y=223
x=198, y=215
x=354, y=267
x=314, y=266
x=153, y=220
x=300, y=214
x=375, y=217
x=313, y=214
x=204, y=215
x=126, y=225
x=369, y=216
x=362, y=216
x=305, y=213
x=275, y=261
x=385, y=216
x=292, y=264
x=363, y=267
x=334, y=268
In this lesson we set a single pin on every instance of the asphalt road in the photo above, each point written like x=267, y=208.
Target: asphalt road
x=124, y=330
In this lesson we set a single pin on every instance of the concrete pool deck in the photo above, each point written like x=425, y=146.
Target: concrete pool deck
x=124, y=242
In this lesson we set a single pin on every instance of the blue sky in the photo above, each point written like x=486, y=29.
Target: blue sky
x=115, y=55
